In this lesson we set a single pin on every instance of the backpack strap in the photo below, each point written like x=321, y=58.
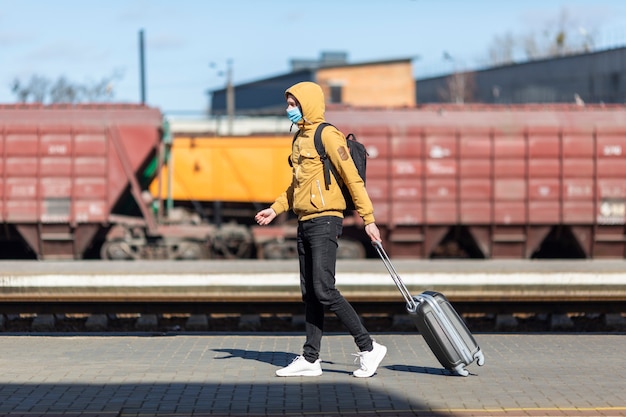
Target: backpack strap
x=295, y=136
x=321, y=151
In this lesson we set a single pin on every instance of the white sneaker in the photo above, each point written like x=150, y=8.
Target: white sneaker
x=301, y=367
x=369, y=361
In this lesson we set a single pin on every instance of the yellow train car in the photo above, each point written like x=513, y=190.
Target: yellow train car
x=226, y=180
x=228, y=169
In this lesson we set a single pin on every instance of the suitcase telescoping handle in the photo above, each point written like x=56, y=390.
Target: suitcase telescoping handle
x=411, y=305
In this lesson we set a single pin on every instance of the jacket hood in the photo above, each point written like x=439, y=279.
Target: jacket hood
x=311, y=99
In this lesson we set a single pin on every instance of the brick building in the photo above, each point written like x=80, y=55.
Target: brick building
x=386, y=83
x=595, y=77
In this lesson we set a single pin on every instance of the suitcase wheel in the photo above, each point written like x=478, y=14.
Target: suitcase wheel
x=460, y=370
x=481, y=358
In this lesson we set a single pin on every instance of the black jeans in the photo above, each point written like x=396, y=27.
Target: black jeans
x=317, y=252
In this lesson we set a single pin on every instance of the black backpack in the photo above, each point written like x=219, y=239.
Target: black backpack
x=358, y=153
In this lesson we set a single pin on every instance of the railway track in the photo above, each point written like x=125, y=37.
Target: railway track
x=471, y=302
x=481, y=291
x=387, y=321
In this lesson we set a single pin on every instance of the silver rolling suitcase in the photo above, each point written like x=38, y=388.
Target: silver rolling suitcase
x=441, y=326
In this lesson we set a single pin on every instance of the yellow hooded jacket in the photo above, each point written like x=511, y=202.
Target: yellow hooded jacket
x=307, y=195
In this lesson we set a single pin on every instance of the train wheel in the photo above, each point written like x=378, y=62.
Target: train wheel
x=232, y=242
x=190, y=251
x=285, y=249
x=118, y=250
x=350, y=249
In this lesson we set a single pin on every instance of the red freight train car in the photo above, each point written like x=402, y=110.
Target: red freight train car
x=496, y=181
x=446, y=181
x=70, y=182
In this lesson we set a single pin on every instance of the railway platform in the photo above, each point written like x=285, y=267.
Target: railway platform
x=232, y=374
x=363, y=280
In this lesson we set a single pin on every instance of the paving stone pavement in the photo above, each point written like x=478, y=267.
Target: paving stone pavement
x=233, y=375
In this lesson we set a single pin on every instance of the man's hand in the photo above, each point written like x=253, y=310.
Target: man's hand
x=265, y=217
x=373, y=232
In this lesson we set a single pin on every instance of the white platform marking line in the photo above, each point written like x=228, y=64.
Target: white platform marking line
x=292, y=279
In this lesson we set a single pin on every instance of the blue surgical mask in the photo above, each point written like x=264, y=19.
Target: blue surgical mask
x=294, y=115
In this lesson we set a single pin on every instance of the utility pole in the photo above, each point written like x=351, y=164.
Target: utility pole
x=230, y=92
x=142, y=70
x=230, y=96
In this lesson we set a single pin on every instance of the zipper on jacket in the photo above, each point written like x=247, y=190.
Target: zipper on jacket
x=319, y=188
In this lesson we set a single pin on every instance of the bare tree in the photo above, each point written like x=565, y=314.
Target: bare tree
x=40, y=89
x=459, y=88
x=36, y=89
x=559, y=37
x=502, y=49
x=62, y=91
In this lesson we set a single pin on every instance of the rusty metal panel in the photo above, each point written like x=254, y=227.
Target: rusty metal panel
x=510, y=212
x=55, y=144
x=21, y=188
x=88, y=144
x=137, y=143
x=611, y=145
x=377, y=168
x=24, y=143
x=55, y=187
x=90, y=188
x=407, y=144
x=578, y=167
x=476, y=168
x=578, y=212
x=509, y=189
x=577, y=145
x=441, y=145
x=441, y=189
x=509, y=168
x=611, y=188
x=21, y=211
x=441, y=212
x=90, y=166
x=406, y=190
x=441, y=168
x=543, y=145
x=544, y=212
x=406, y=214
x=612, y=167
x=90, y=211
x=475, y=212
x=509, y=146
x=21, y=166
x=407, y=168
x=475, y=145
x=55, y=166
x=544, y=188
x=476, y=189
x=378, y=189
x=547, y=168
x=382, y=212
x=578, y=189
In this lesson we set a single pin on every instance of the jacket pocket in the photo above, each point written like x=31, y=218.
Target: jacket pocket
x=317, y=195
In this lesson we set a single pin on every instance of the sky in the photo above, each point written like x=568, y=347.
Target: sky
x=188, y=43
